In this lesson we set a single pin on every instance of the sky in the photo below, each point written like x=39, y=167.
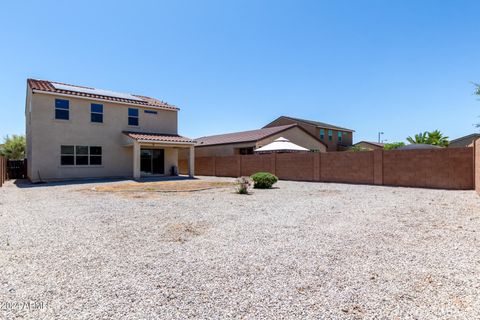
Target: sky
x=399, y=67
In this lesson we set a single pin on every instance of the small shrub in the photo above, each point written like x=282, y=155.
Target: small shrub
x=263, y=180
x=243, y=185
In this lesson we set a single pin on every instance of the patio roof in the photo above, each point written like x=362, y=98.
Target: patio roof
x=158, y=138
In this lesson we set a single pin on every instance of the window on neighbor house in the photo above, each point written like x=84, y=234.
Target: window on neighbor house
x=339, y=136
x=132, y=117
x=330, y=135
x=62, y=109
x=96, y=112
x=322, y=134
x=245, y=151
x=67, y=155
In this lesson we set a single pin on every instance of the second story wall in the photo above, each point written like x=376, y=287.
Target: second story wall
x=115, y=117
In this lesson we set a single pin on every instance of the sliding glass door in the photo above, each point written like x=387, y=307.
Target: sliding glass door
x=152, y=161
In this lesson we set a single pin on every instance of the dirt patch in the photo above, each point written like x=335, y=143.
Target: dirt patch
x=162, y=186
x=185, y=231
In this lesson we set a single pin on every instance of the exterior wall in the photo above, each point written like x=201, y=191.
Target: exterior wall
x=477, y=165
x=332, y=145
x=442, y=168
x=45, y=135
x=297, y=136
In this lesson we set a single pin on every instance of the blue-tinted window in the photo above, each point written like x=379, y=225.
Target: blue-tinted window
x=62, y=109
x=132, y=117
x=322, y=134
x=330, y=135
x=96, y=114
x=339, y=136
x=150, y=111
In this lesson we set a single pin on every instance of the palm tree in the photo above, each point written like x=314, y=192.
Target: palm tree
x=419, y=138
x=436, y=138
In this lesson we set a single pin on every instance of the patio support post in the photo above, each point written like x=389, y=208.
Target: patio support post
x=136, y=160
x=191, y=162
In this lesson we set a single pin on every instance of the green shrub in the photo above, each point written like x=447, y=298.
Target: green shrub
x=263, y=180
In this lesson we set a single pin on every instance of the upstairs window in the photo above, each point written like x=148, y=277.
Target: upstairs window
x=150, y=111
x=96, y=112
x=330, y=135
x=322, y=134
x=132, y=117
x=339, y=136
x=62, y=109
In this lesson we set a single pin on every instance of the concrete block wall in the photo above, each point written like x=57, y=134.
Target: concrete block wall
x=443, y=168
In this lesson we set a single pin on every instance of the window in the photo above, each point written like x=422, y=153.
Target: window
x=132, y=117
x=95, y=156
x=150, y=111
x=81, y=155
x=330, y=135
x=322, y=134
x=339, y=136
x=67, y=155
x=96, y=112
x=245, y=151
x=62, y=109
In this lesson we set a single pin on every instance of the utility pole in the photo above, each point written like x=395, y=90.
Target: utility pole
x=379, y=134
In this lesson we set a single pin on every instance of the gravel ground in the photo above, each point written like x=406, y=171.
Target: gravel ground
x=302, y=250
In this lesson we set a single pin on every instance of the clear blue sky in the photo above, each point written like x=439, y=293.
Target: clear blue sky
x=395, y=66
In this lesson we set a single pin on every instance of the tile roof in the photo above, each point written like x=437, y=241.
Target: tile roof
x=48, y=86
x=244, y=136
x=378, y=144
x=158, y=137
x=316, y=123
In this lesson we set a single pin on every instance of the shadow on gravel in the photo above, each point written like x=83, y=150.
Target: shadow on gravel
x=25, y=183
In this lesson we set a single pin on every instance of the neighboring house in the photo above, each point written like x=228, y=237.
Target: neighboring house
x=247, y=141
x=80, y=132
x=370, y=145
x=336, y=138
x=466, y=141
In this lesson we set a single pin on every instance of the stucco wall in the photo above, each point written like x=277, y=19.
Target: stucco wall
x=45, y=135
x=332, y=145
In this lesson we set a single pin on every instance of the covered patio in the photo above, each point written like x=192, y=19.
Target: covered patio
x=156, y=154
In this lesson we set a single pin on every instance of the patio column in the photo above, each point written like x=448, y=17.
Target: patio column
x=136, y=160
x=191, y=162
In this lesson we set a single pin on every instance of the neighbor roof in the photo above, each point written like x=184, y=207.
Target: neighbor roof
x=88, y=92
x=315, y=123
x=469, y=137
x=245, y=136
x=158, y=137
x=378, y=144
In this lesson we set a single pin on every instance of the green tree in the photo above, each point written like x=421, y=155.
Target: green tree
x=419, y=138
x=393, y=145
x=435, y=138
x=13, y=147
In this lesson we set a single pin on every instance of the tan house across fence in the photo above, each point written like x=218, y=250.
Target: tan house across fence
x=80, y=132
x=334, y=137
x=370, y=145
x=246, y=142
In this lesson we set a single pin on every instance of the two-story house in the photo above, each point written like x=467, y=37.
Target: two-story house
x=336, y=138
x=80, y=132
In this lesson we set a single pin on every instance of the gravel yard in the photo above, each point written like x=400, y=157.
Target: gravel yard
x=302, y=250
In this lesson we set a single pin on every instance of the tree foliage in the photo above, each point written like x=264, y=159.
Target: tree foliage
x=393, y=145
x=13, y=147
x=434, y=137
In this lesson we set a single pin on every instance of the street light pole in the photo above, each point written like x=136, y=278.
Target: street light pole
x=379, y=134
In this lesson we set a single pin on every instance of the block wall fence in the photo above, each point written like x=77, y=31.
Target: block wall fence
x=449, y=168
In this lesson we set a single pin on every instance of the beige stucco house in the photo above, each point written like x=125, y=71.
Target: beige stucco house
x=80, y=132
x=246, y=142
